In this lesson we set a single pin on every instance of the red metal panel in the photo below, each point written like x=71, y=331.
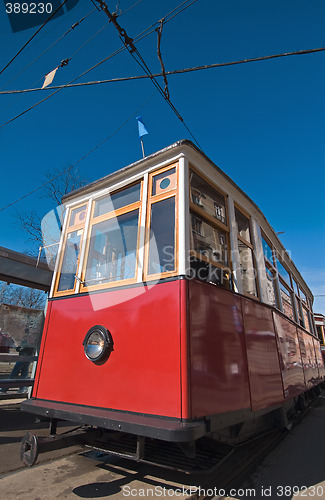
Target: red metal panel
x=262, y=354
x=308, y=359
x=219, y=378
x=290, y=358
x=142, y=373
x=185, y=351
x=319, y=358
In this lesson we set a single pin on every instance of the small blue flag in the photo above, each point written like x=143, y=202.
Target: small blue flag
x=141, y=127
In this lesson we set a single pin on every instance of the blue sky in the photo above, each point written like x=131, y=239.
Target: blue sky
x=262, y=123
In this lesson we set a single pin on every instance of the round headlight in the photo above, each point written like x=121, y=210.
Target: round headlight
x=98, y=344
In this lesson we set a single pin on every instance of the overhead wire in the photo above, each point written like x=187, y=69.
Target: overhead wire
x=33, y=36
x=48, y=48
x=169, y=73
x=80, y=159
x=137, y=38
x=62, y=36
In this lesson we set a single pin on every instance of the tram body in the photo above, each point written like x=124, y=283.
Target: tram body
x=175, y=311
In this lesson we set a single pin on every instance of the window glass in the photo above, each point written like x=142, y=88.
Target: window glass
x=299, y=311
x=208, y=241
x=268, y=253
x=70, y=261
x=205, y=271
x=286, y=301
x=78, y=216
x=306, y=319
x=319, y=333
x=295, y=287
x=166, y=181
x=303, y=296
x=271, y=288
x=242, y=225
x=283, y=272
x=162, y=237
x=247, y=269
x=112, y=250
x=118, y=200
x=209, y=199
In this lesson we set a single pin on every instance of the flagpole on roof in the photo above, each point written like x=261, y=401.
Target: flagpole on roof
x=142, y=147
x=142, y=131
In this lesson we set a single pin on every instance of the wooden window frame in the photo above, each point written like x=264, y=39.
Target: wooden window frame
x=251, y=246
x=70, y=229
x=102, y=218
x=200, y=211
x=151, y=200
x=209, y=219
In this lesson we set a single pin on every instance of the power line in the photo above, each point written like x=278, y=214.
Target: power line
x=133, y=50
x=52, y=45
x=137, y=38
x=80, y=159
x=62, y=36
x=175, y=72
x=33, y=36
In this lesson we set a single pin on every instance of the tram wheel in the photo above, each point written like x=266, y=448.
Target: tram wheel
x=29, y=449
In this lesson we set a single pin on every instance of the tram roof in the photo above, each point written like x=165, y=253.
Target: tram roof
x=173, y=150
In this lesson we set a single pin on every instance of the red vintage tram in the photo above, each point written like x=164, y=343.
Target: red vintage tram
x=175, y=312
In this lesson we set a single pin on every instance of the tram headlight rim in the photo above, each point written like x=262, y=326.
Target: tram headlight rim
x=104, y=343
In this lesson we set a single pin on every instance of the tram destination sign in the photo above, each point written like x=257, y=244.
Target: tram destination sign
x=25, y=14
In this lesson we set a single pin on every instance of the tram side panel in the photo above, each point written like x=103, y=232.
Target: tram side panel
x=290, y=357
x=320, y=360
x=308, y=359
x=262, y=355
x=142, y=373
x=218, y=366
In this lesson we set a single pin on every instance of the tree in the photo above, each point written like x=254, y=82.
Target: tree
x=16, y=295
x=59, y=182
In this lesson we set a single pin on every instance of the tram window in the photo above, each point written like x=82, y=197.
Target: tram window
x=299, y=311
x=295, y=287
x=283, y=272
x=112, y=250
x=247, y=268
x=271, y=288
x=268, y=252
x=78, y=216
x=286, y=301
x=166, y=181
x=320, y=333
x=205, y=271
x=242, y=225
x=306, y=319
x=118, y=200
x=162, y=237
x=302, y=296
x=70, y=261
x=208, y=241
x=207, y=198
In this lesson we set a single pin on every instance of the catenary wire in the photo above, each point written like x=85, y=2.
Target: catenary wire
x=80, y=159
x=169, y=73
x=137, y=38
x=62, y=36
x=48, y=48
x=33, y=36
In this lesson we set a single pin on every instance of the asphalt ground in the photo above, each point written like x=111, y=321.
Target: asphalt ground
x=13, y=425
x=294, y=469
